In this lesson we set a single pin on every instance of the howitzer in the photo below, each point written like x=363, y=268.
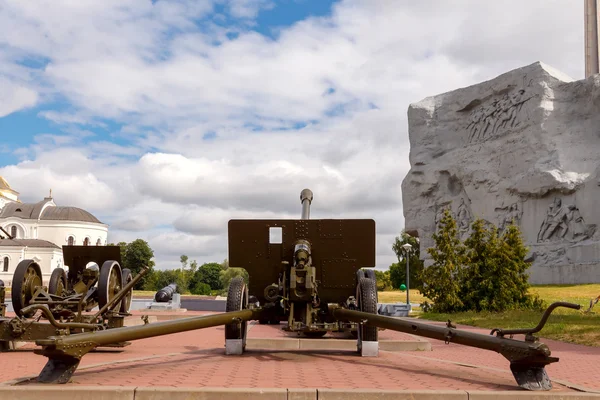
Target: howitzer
x=307, y=274
x=66, y=306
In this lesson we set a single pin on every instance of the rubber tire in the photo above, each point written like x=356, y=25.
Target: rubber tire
x=359, y=274
x=18, y=302
x=370, y=273
x=126, y=301
x=58, y=275
x=366, y=295
x=237, y=300
x=103, y=282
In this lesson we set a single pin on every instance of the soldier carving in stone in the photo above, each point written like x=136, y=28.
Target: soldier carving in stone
x=464, y=218
x=555, y=221
x=504, y=113
x=517, y=102
x=513, y=216
x=475, y=124
x=579, y=228
x=490, y=118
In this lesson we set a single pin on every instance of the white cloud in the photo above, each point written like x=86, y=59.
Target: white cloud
x=248, y=8
x=15, y=98
x=172, y=78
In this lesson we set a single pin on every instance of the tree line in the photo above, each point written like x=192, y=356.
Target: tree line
x=207, y=279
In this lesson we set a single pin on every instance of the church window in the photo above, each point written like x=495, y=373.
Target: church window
x=99, y=242
x=13, y=231
x=18, y=210
x=86, y=241
x=71, y=240
x=5, y=264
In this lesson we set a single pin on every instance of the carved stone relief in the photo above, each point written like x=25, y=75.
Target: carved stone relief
x=508, y=147
x=564, y=223
x=500, y=116
x=462, y=216
x=439, y=215
x=510, y=215
x=463, y=220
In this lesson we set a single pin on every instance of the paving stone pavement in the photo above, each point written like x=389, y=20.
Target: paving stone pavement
x=197, y=359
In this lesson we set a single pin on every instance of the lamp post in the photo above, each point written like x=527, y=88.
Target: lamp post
x=407, y=248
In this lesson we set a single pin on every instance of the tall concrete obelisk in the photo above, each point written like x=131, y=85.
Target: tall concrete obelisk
x=592, y=38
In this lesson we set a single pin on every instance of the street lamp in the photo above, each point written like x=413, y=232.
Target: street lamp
x=407, y=248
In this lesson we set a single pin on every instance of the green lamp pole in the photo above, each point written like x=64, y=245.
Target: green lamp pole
x=407, y=248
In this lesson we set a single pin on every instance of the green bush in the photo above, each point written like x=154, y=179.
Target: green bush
x=201, y=288
x=487, y=272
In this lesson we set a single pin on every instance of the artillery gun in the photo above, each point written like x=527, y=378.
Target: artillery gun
x=67, y=305
x=307, y=274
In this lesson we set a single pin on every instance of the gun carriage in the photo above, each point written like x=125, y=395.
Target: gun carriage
x=95, y=294
x=305, y=273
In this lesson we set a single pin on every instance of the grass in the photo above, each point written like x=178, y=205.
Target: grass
x=567, y=325
x=398, y=296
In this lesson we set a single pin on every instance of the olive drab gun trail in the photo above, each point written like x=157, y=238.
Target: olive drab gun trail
x=306, y=273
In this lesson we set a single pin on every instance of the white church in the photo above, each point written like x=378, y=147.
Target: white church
x=38, y=231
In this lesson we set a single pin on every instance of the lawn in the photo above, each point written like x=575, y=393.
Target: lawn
x=574, y=326
x=398, y=296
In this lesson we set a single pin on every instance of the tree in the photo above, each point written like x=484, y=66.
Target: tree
x=230, y=273
x=513, y=254
x=480, y=261
x=383, y=280
x=415, y=264
x=209, y=273
x=441, y=280
x=137, y=255
x=134, y=256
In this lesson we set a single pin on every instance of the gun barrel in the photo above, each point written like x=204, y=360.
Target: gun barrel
x=165, y=294
x=115, y=335
x=488, y=342
x=306, y=197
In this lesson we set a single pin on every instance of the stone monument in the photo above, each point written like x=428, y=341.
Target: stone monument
x=523, y=147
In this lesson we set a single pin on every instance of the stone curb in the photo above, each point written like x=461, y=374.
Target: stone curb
x=55, y=392
x=332, y=344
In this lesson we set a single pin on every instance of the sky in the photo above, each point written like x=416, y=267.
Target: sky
x=165, y=119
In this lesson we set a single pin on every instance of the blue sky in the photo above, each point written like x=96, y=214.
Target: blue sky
x=19, y=129
x=167, y=118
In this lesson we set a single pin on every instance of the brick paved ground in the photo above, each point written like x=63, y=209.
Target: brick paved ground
x=196, y=359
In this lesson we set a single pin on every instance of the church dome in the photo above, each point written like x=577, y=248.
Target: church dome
x=46, y=210
x=68, y=214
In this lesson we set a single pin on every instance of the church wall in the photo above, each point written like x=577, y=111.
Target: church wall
x=59, y=232
x=23, y=227
x=47, y=258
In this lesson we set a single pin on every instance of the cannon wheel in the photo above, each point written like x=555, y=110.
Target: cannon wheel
x=110, y=282
x=26, y=279
x=366, y=295
x=237, y=300
x=126, y=302
x=58, y=282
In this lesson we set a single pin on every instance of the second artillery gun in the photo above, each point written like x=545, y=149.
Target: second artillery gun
x=308, y=274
